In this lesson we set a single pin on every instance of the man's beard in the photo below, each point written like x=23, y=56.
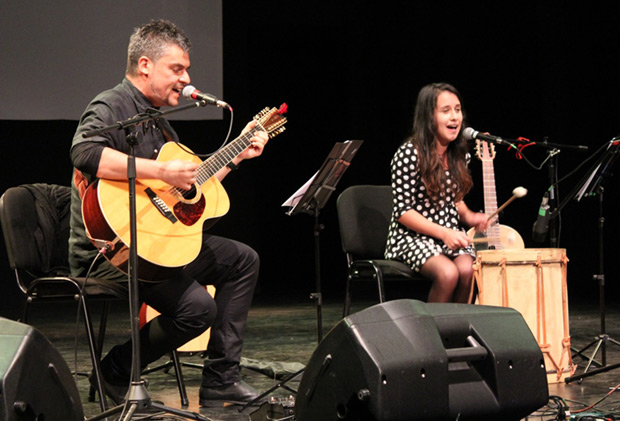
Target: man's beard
x=157, y=94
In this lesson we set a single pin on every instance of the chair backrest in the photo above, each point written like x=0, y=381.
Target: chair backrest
x=35, y=224
x=364, y=214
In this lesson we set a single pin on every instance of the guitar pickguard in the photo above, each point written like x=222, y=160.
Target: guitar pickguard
x=190, y=213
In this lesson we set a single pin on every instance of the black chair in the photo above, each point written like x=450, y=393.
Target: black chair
x=364, y=214
x=35, y=224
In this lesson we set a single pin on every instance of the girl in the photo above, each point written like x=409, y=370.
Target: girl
x=429, y=181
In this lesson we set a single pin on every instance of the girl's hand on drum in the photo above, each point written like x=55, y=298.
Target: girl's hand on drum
x=455, y=239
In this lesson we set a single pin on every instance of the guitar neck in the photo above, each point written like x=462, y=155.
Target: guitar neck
x=490, y=201
x=210, y=166
x=270, y=121
x=488, y=177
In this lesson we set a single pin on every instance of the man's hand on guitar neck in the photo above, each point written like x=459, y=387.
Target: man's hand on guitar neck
x=259, y=140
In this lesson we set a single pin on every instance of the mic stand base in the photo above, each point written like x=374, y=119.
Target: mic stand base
x=138, y=400
x=603, y=338
x=582, y=376
x=601, y=342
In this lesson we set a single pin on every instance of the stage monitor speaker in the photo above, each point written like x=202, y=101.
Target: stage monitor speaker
x=407, y=360
x=36, y=383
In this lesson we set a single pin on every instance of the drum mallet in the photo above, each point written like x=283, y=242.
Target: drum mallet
x=517, y=193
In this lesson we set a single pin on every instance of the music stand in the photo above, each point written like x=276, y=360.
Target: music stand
x=590, y=186
x=137, y=395
x=313, y=196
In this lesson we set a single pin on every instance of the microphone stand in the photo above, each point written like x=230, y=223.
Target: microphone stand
x=553, y=198
x=137, y=396
x=592, y=186
x=553, y=149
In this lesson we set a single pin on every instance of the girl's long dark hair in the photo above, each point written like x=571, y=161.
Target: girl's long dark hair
x=424, y=136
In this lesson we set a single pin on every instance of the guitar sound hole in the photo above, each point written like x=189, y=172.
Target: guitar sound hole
x=189, y=194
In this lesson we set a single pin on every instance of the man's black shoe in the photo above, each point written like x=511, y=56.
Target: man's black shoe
x=238, y=393
x=114, y=392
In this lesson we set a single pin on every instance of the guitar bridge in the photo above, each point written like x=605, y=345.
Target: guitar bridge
x=160, y=205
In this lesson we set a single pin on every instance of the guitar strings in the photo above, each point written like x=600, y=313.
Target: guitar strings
x=214, y=163
x=220, y=158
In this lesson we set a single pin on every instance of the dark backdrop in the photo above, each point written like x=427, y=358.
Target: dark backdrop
x=352, y=72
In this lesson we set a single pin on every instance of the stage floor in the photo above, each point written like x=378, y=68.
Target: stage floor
x=283, y=330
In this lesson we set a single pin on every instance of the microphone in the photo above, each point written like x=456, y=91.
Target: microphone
x=541, y=226
x=470, y=134
x=191, y=93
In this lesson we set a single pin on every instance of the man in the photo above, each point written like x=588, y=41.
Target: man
x=157, y=70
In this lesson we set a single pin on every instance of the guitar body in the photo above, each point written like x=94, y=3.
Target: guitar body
x=163, y=241
x=169, y=221
x=509, y=238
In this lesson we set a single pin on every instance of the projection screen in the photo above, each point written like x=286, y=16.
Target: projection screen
x=57, y=55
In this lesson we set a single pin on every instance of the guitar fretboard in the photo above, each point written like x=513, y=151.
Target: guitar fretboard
x=270, y=121
x=224, y=156
x=210, y=166
x=490, y=202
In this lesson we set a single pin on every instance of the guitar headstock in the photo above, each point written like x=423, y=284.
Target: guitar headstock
x=272, y=120
x=484, y=150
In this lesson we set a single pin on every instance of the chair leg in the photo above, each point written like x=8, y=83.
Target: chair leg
x=473, y=290
x=103, y=323
x=25, y=312
x=180, y=381
x=94, y=354
x=380, y=286
x=347, y=297
x=178, y=372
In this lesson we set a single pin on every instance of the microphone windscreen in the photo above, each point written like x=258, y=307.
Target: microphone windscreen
x=468, y=133
x=187, y=91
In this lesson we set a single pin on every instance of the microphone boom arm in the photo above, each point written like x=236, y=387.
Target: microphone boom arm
x=142, y=118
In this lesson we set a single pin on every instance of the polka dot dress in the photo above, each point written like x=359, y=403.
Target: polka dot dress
x=409, y=192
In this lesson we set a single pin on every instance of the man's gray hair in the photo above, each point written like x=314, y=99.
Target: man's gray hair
x=152, y=40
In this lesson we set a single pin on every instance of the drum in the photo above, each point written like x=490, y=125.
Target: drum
x=196, y=345
x=533, y=282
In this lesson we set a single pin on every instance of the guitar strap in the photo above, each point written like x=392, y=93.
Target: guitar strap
x=165, y=129
x=81, y=182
